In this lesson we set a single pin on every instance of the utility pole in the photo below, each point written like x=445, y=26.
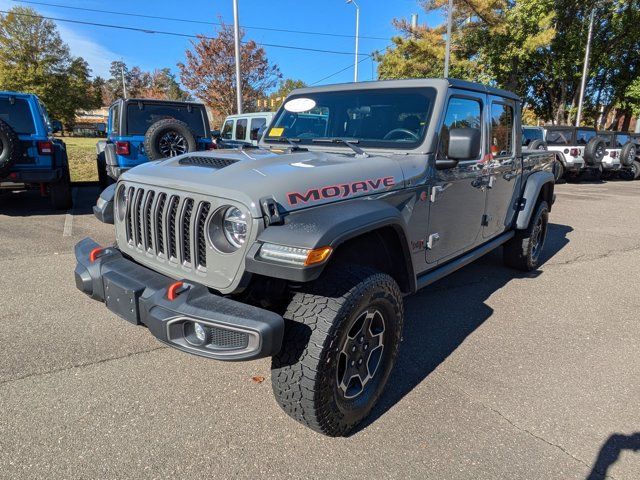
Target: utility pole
x=124, y=85
x=585, y=68
x=236, y=37
x=447, y=53
x=414, y=25
x=355, y=64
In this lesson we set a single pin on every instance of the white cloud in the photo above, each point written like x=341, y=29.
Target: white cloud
x=98, y=57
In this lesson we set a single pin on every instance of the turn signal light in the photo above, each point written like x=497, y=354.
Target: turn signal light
x=317, y=255
x=123, y=148
x=574, y=152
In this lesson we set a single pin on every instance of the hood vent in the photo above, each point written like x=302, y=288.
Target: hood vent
x=210, y=162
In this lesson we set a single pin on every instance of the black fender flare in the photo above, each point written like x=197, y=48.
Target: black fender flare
x=328, y=225
x=103, y=209
x=532, y=188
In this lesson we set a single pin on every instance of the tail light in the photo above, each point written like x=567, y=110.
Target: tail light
x=123, y=148
x=574, y=152
x=212, y=146
x=613, y=154
x=45, y=148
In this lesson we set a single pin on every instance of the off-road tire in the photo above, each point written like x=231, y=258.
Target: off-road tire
x=636, y=169
x=9, y=148
x=104, y=180
x=628, y=154
x=558, y=170
x=594, y=151
x=162, y=127
x=60, y=193
x=318, y=320
x=537, y=145
x=523, y=250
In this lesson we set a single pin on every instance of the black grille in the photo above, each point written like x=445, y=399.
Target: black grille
x=169, y=226
x=224, y=339
x=210, y=162
x=186, y=229
x=201, y=224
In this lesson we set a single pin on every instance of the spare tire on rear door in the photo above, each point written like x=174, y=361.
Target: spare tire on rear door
x=628, y=154
x=594, y=151
x=538, y=145
x=9, y=148
x=169, y=138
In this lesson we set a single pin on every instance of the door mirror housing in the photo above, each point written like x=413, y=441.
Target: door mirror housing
x=464, y=144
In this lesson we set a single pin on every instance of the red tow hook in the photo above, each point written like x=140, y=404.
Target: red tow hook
x=95, y=253
x=176, y=289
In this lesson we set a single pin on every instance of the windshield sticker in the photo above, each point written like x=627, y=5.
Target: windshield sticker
x=340, y=191
x=299, y=105
x=276, y=132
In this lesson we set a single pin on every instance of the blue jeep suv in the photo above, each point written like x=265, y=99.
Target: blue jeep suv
x=142, y=130
x=30, y=156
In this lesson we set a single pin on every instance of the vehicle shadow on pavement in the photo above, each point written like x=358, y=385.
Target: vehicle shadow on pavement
x=28, y=203
x=610, y=452
x=439, y=318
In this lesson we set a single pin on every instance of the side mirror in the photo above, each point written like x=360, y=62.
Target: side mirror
x=464, y=144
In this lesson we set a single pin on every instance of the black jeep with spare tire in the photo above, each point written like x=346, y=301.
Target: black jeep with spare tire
x=140, y=130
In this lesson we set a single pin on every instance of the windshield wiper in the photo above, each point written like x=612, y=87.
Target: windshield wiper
x=290, y=141
x=349, y=143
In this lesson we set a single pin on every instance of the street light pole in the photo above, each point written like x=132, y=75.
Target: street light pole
x=355, y=63
x=585, y=68
x=236, y=38
x=447, y=53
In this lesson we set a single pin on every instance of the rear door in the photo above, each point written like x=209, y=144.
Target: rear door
x=503, y=168
x=256, y=124
x=241, y=130
x=17, y=113
x=458, y=194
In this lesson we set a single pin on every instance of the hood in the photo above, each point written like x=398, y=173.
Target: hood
x=296, y=180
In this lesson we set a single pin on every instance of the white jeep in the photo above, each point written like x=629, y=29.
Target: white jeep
x=578, y=150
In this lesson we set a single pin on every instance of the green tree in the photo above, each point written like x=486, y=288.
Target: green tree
x=285, y=87
x=34, y=59
x=160, y=84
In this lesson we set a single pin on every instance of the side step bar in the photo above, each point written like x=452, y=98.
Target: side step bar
x=439, y=272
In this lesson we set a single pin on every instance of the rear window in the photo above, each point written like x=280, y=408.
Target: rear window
x=140, y=119
x=256, y=125
x=583, y=136
x=531, y=134
x=621, y=140
x=241, y=129
x=560, y=137
x=17, y=115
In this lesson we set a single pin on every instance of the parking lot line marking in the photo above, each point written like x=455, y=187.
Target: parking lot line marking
x=68, y=219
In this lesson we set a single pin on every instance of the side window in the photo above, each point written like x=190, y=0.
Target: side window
x=115, y=120
x=227, y=130
x=461, y=113
x=241, y=129
x=501, y=130
x=257, y=124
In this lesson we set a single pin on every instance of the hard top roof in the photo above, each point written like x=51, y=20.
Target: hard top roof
x=568, y=127
x=410, y=83
x=155, y=100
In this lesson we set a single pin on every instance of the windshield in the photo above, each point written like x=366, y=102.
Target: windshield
x=393, y=118
x=18, y=115
x=559, y=137
x=531, y=134
x=140, y=119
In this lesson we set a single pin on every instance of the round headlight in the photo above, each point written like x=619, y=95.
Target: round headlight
x=121, y=202
x=234, y=225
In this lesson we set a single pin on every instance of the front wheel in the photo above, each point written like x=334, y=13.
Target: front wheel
x=341, y=340
x=523, y=250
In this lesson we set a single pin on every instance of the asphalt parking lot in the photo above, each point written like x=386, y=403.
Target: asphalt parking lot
x=501, y=375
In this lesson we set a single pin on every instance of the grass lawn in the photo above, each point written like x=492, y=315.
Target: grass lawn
x=82, y=158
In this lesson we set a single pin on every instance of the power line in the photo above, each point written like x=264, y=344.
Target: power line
x=341, y=70
x=200, y=22
x=175, y=34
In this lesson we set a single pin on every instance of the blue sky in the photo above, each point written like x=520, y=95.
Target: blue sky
x=99, y=46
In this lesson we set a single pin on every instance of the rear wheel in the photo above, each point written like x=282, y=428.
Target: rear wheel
x=169, y=138
x=558, y=170
x=103, y=179
x=635, y=168
x=9, y=148
x=341, y=339
x=524, y=249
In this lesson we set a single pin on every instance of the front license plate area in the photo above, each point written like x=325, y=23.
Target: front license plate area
x=121, y=296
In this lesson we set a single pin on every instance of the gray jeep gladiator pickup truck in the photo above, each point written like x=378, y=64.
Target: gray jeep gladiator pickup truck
x=302, y=249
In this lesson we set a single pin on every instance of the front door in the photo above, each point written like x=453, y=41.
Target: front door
x=502, y=169
x=458, y=194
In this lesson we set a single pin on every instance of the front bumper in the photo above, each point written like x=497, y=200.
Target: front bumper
x=234, y=330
